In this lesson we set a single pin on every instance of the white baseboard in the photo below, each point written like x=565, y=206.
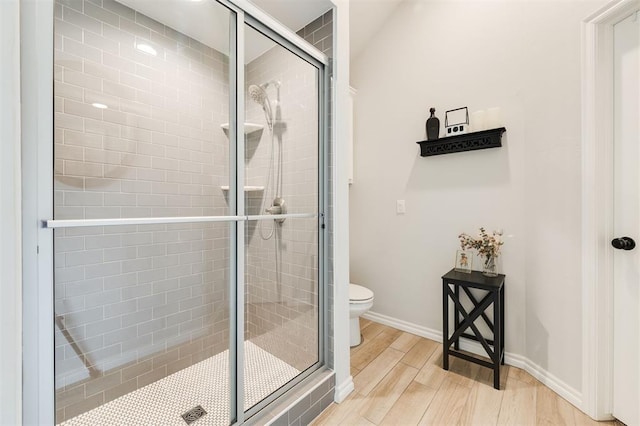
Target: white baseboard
x=409, y=327
x=343, y=389
x=567, y=392
x=552, y=382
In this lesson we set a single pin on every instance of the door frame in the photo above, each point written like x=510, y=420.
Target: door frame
x=597, y=206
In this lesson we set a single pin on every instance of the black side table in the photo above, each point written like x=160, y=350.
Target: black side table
x=452, y=282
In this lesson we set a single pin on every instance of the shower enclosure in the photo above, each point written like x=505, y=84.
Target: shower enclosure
x=187, y=226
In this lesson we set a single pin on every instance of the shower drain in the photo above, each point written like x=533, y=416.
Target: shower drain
x=193, y=414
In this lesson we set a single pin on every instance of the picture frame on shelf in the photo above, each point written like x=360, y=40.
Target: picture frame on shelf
x=464, y=261
x=456, y=121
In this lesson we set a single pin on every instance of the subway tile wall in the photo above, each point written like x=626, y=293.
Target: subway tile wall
x=140, y=302
x=319, y=33
x=281, y=275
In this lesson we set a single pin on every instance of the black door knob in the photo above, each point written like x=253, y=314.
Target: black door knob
x=624, y=243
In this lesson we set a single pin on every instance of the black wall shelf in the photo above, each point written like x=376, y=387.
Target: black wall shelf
x=468, y=142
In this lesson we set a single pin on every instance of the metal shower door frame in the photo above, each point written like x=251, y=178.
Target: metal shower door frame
x=267, y=26
x=37, y=136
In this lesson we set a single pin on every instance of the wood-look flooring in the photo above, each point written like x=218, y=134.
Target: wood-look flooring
x=399, y=380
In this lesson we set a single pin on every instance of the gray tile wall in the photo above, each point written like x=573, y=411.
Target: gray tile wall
x=146, y=301
x=308, y=405
x=141, y=301
x=320, y=34
x=281, y=275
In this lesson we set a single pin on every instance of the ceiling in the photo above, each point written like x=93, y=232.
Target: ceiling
x=294, y=14
x=366, y=18
x=205, y=21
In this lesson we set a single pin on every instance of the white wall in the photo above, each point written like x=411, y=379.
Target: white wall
x=10, y=299
x=523, y=57
x=339, y=220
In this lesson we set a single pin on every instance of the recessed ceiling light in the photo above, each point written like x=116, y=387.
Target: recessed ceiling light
x=99, y=106
x=146, y=49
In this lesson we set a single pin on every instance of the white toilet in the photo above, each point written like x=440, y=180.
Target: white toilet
x=360, y=301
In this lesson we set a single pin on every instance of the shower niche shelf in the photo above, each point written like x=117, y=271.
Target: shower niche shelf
x=468, y=142
x=249, y=128
x=247, y=188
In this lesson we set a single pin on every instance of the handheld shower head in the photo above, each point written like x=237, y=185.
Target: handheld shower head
x=259, y=96
x=275, y=83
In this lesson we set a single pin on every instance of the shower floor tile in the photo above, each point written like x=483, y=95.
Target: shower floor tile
x=205, y=384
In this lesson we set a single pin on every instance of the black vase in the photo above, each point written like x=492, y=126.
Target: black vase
x=433, y=126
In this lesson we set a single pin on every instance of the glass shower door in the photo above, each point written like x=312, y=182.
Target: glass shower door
x=144, y=223
x=187, y=260
x=281, y=169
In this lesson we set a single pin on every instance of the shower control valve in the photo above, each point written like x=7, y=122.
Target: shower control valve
x=277, y=207
x=274, y=210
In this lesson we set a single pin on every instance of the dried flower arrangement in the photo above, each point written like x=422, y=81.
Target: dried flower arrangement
x=488, y=246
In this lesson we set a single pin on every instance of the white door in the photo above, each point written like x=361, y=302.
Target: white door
x=626, y=348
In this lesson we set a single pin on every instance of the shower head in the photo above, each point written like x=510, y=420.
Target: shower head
x=275, y=83
x=259, y=96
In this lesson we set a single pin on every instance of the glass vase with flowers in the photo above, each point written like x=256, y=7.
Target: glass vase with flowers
x=487, y=246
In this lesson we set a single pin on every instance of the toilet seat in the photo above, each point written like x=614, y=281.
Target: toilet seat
x=359, y=294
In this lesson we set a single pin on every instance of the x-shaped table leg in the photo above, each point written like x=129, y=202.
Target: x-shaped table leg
x=469, y=318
